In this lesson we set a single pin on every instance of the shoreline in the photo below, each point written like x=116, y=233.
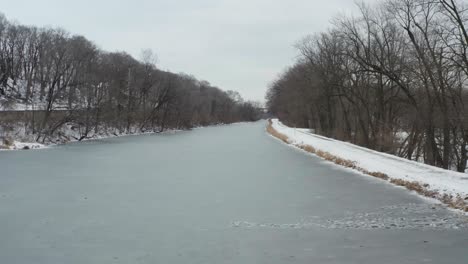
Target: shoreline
x=16, y=145
x=453, y=199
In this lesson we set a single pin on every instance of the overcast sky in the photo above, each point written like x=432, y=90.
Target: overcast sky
x=234, y=44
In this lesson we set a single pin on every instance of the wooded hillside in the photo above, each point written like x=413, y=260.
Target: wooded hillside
x=49, y=69
x=391, y=79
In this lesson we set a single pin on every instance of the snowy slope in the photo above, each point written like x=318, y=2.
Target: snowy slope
x=443, y=181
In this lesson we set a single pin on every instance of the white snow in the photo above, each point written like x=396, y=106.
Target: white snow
x=23, y=145
x=26, y=145
x=444, y=181
x=67, y=133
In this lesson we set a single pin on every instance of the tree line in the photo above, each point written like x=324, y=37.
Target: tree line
x=50, y=70
x=392, y=78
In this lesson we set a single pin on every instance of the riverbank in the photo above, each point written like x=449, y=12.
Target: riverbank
x=16, y=145
x=449, y=187
x=19, y=139
x=71, y=134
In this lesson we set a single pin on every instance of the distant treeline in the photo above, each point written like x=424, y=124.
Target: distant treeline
x=393, y=78
x=48, y=69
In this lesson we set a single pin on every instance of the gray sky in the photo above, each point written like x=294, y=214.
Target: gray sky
x=234, y=44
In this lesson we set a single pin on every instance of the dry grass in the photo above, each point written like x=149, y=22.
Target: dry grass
x=424, y=189
x=5, y=143
x=457, y=202
x=337, y=160
x=276, y=134
x=417, y=187
x=376, y=174
x=307, y=148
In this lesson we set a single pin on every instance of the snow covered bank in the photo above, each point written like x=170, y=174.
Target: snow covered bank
x=16, y=145
x=27, y=145
x=447, y=186
x=18, y=139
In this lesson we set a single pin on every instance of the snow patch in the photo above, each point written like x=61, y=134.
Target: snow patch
x=26, y=145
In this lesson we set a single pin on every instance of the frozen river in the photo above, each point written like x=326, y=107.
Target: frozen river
x=229, y=194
